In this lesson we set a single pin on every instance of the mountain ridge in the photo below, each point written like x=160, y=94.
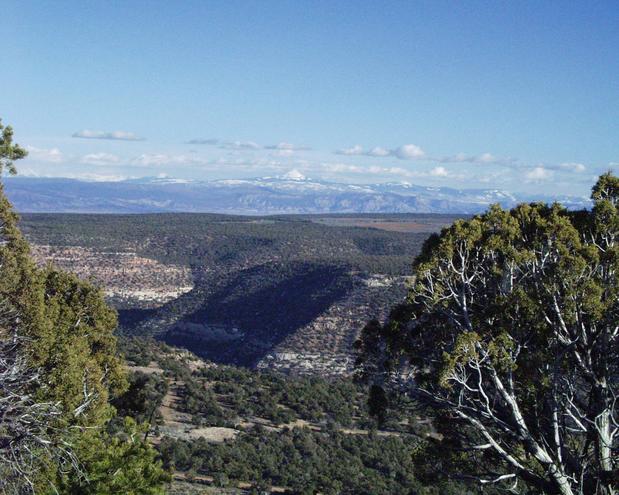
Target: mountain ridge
x=292, y=193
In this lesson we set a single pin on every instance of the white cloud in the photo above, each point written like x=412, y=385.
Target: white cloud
x=150, y=159
x=334, y=169
x=211, y=141
x=113, y=135
x=283, y=153
x=487, y=158
x=285, y=149
x=408, y=152
x=231, y=163
x=354, y=151
x=254, y=164
x=500, y=176
x=378, y=151
x=415, y=152
x=404, y=152
x=484, y=158
x=572, y=167
x=283, y=146
x=403, y=172
x=439, y=172
x=100, y=159
x=239, y=145
x=162, y=159
x=51, y=155
x=538, y=174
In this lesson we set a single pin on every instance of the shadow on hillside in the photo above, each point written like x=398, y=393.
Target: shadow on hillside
x=243, y=318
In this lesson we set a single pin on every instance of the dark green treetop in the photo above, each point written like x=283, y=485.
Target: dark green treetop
x=9, y=152
x=510, y=330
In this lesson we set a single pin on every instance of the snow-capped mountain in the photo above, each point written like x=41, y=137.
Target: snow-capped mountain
x=290, y=193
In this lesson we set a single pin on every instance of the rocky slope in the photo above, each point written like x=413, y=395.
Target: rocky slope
x=128, y=280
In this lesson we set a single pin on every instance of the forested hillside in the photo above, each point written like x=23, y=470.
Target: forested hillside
x=231, y=430
x=288, y=293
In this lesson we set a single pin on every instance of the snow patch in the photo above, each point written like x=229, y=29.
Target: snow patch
x=294, y=175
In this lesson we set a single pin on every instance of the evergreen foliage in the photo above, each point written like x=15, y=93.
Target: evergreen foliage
x=510, y=330
x=306, y=434
x=114, y=464
x=66, y=333
x=308, y=462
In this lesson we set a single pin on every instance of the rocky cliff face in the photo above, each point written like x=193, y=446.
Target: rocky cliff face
x=324, y=346
x=129, y=280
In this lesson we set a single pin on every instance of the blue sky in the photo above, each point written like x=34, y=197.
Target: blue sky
x=522, y=96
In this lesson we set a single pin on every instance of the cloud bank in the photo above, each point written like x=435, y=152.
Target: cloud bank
x=50, y=155
x=111, y=135
x=404, y=152
x=415, y=152
x=284, y=148
x=100, y=159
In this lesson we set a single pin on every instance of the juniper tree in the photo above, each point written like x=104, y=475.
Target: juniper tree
x=31, y=433
x=59, y=368
x=510, y=331
x=67, y=324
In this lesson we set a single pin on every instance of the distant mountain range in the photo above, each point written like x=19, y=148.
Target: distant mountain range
x=288, y=194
